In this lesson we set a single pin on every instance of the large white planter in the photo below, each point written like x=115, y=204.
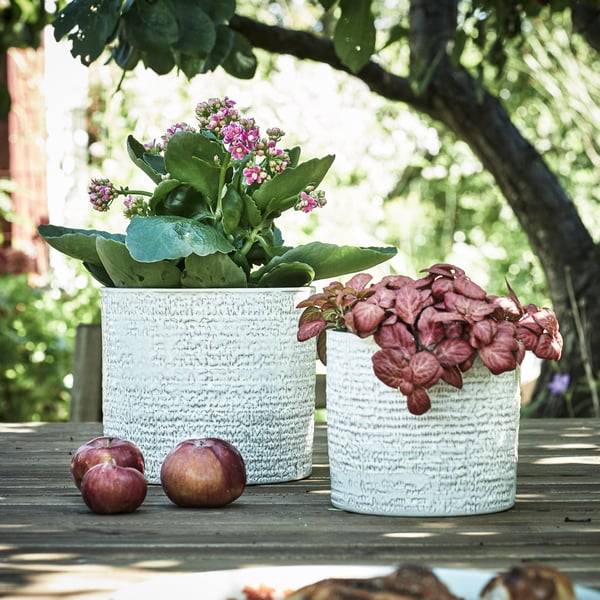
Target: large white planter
x=183, y=363
x=459, y=458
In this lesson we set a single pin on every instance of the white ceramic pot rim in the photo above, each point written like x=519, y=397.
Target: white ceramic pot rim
x=241, y=290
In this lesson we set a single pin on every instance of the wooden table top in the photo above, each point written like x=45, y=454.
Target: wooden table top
x=51, y=545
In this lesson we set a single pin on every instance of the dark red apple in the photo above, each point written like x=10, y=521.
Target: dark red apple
x=108, y=488
x=102, y=449
x=205, y=472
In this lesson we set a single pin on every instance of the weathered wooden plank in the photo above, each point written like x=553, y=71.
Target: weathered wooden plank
x=47, y=535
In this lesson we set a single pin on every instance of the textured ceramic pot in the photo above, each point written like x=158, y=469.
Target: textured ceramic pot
x=184, y=363
x=459, y=458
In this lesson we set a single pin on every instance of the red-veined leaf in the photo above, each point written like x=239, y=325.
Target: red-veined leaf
x=409, y=304
x=395, y=282
x=463, y=285
x=387, y=366
x=426, y=369
x=365, y=318
x=498, y=358
x=507, y=306
x=453, y=351
x=383, y=297
x=546, y=319
x=322, y=347
x=482, y=333
x=549, y=347
x=359, y=281
x=528, y=338
x=396, y=336
x=441, y=287
x=453, y=376
x=473, y=310
x=310, y=329
x=431, y=331
x=418, y=401
x=444, y=269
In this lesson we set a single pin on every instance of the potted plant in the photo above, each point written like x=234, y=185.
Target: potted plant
x=423, y=389
x=199, y=304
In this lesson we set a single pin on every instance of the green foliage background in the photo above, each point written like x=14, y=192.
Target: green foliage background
x=442, y=204
x=37, y=335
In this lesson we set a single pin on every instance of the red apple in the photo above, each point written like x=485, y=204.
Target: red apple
x=108, y=488
x=102, y=449
x=206, y=472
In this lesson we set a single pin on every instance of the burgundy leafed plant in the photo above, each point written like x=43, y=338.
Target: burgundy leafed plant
x=432, y=328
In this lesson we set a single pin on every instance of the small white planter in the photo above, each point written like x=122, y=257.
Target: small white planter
x=459, y=458
x=184, y=363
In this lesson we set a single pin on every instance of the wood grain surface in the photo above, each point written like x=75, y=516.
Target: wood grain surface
x=51, y=545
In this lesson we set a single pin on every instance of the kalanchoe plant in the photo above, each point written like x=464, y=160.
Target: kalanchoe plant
x=210, y=219
x=432, y=328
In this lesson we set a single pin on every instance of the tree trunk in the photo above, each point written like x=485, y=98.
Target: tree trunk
x=452, y=96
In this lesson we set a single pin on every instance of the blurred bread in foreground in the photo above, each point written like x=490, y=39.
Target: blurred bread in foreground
x=529, y=582
x=409, y=582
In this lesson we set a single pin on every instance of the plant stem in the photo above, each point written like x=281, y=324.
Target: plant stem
x=127, y=191
x=224, y=167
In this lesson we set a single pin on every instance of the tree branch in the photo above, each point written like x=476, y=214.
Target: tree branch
x=305, y=45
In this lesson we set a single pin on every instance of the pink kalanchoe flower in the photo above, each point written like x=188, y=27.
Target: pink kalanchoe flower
x=215, y=114
x=306, y=203
x=171, y=131
x=102, y=193
x=254, y=175
x=135, y=205
x=240, y=138
x=311, y=199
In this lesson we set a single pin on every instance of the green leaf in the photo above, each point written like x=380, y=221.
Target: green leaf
x=212, y=271
x=125, y=55
x=152, y=165
x=151, y=25
x=189, y=157
x=241, y=60
x=197, y=34
x=294, y=274
x=94, y=22
x=354, y=35
x=98, y=272
x=220, y=11
x=251, y=211
x=329, y=260
x=233, y=207
x=160, y=60
x=127, y=272
x=170, y=197
x=77, y=243
x=150, y=239
x=327, y=4
x=281, y=193
x=221, y=49
x=294, y=154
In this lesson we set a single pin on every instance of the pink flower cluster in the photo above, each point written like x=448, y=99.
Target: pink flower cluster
x=241, y=138
x=135, y=205
x=311, y=199
x=102, y=193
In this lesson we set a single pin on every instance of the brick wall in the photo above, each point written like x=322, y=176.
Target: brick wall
x=23, y=154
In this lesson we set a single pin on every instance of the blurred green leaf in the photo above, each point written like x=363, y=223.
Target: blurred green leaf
x=241, y=61
x=354, y=36
x=94, y=22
